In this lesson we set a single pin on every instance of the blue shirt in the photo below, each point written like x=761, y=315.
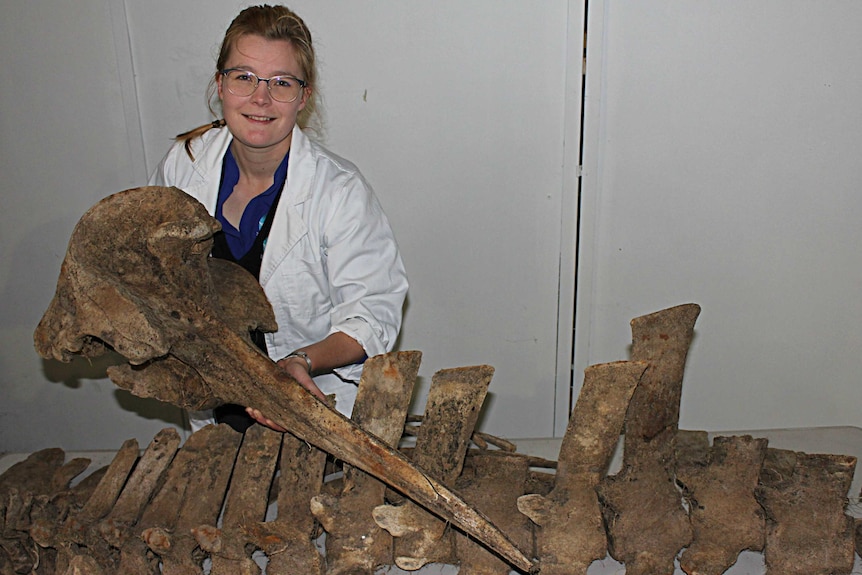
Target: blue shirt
x=241, y=240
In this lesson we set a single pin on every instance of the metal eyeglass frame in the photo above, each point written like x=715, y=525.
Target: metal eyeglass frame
x=258, y=80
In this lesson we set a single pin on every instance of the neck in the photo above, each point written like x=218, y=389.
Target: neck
x=257, y=164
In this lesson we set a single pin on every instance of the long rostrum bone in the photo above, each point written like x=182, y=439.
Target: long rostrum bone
x=137, y=278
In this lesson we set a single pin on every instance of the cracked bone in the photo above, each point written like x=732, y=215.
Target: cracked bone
x=137, y=278
x=116, y=527
x=454, y=402
x=161, y=518
x=719, y=483
x=354, y=542
x=807, y=529
x=207, y=480
x=493, y=481
x=646, y=522
x=287, y=540
x=57, y=522
x=245, y=504
x=571, y=534
x=20, y=486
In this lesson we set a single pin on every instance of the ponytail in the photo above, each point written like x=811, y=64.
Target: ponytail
x=187, y=137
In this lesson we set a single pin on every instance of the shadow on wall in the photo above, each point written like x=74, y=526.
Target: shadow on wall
x=74, y=374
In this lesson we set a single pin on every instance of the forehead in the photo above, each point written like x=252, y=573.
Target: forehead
x=264, y=56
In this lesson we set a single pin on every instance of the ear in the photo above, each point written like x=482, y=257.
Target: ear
x=218, y=79
x=306, y=94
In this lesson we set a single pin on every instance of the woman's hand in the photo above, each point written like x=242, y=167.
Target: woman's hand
x=337, y=350
x=256, y=415
x=297, y=368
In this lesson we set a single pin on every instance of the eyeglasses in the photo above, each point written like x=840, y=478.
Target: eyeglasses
x=243, y=83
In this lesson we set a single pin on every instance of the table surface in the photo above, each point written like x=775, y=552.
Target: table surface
x=835, y=440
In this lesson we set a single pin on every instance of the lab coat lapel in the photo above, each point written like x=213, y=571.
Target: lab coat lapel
x=288, y=227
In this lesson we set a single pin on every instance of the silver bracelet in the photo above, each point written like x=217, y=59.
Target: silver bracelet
x=301, y=354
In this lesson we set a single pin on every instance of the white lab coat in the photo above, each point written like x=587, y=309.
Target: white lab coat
x=331, y=263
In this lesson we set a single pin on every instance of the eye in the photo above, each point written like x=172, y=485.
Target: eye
x=240, y=76
x=282, y=81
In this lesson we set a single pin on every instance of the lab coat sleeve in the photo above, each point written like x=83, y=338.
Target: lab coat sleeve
x=367, y=279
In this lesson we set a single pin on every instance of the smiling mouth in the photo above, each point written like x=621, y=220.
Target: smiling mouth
x=259, y=118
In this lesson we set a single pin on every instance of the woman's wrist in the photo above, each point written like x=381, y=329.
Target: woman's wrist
x=300, y=355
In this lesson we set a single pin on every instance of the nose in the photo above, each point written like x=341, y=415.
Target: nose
x=261, y=91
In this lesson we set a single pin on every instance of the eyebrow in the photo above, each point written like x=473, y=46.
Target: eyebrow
x=251, y=69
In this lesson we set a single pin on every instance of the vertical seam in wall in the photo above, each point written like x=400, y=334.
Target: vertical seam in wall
x=589, y=185
x=128, y=90
x=570, y=193
x=581, y=138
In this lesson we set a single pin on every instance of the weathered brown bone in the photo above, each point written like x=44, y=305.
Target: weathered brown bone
x=720, y=483
x=454, y=402
x=571, y=534
x=207, y=483
x=354, y=542
x=287, y=540
x=493, y=481
x=116, y=527
x=859, y=535
x=804, y=495
x=646, y=522
x=161, y=517
x=137, y=278
x=58, y=525
x=81, y=527
x=245, y=504
x=20, y=486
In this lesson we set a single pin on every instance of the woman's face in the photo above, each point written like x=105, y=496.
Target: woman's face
x=258, y=122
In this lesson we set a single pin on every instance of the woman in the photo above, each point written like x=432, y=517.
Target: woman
x=301, y=219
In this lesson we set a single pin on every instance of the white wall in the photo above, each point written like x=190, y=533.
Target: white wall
x=722, y=168
x=453, y=110
x=456, y=115
x=65, y=145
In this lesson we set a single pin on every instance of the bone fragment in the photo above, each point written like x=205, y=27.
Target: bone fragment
x=493, y=481
x=354, y=542
x=646, y=522
x=663, y=339
x=116, y=527
x=160, y=517
x=452, y=409
x=804, y=496
x=571, y=534
x=78, y=533
x=137, y=278
x=245, y=504
x=49, y=513
x=106, y=494
x=20, y=485
x=62, y=478
x=84, y=565
x=482, y=440
x=205, y=494
x=858, y=522
x=287, y=540
x=720, y=483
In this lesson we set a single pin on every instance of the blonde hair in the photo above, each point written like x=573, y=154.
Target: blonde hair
x=270, y=23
